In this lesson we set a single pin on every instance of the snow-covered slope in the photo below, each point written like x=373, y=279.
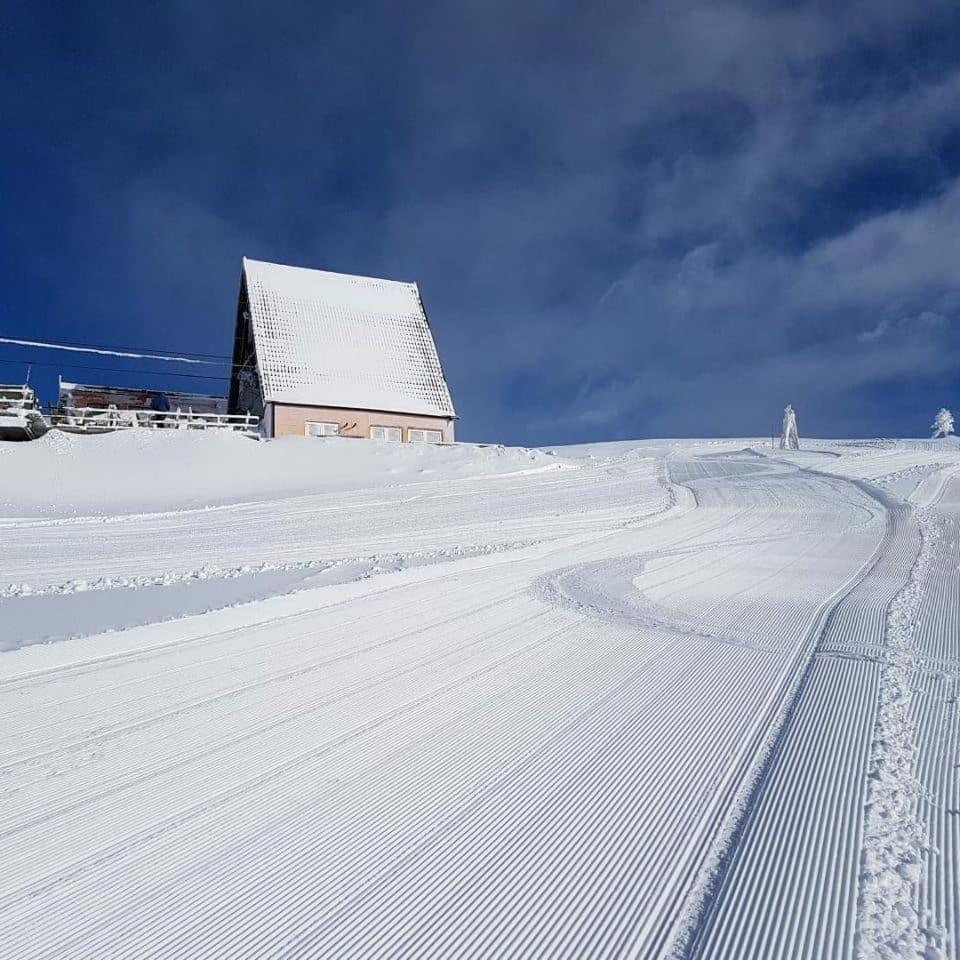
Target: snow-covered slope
x=139, y=471
x=351, y=700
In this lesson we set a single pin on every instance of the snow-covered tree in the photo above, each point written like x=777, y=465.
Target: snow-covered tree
x=943, y=423
x=789, y=439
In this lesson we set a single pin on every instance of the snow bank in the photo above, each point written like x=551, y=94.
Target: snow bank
x=64, y=475
x=611, y=449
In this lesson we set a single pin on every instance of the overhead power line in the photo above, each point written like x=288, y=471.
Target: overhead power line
x=154, y=373
x=160, y=350
x=102, y=351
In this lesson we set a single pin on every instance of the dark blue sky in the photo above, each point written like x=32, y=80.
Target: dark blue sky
x=626, y=219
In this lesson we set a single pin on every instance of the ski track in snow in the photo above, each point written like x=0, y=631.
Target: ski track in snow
x=683, y=701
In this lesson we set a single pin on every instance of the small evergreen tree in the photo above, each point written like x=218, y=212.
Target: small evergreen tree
x=943, y=423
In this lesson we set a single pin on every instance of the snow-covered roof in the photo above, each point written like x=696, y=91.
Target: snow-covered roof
x=331, y=339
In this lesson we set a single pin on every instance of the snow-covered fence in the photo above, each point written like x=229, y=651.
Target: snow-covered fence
x=103, y=419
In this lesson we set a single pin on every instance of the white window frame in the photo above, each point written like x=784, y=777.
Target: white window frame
x=379, y=431
x=419, y=435
x=321, y=428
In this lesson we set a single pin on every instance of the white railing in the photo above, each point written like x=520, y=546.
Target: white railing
x=17, y=398
x=95, y=419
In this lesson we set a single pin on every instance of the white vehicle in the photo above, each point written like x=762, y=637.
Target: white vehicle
x=20, y=416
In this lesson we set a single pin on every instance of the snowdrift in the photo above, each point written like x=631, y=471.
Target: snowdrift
x=63, y=475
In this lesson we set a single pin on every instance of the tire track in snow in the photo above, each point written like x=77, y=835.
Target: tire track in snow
x=784, y=877
x=268, y=678
x=223, y=794
x=606, y=591
x=347, y=849
x=347, y=524
x=203, y=748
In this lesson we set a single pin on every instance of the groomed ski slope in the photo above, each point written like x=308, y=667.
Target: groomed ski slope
x=676, y=699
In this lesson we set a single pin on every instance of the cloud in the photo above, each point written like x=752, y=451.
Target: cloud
x=636, y=219
x=716, y=336
x=925, y=325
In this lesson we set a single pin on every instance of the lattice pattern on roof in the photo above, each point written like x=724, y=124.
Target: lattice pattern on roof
x=329, y=339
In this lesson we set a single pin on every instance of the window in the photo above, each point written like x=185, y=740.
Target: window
x=425, y=436
x=386, y=433
x=314, y=428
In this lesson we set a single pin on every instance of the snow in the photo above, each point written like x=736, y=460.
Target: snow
x=894, y=829
x=330, y=339
x=66, y=475
x=788, y=438
x=943, y=423
x=348, y=699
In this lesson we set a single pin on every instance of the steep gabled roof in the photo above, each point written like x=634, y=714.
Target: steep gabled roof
x=331, y=339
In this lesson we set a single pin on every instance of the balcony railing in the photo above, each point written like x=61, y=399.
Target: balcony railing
x=103, y=419
x=17, y=398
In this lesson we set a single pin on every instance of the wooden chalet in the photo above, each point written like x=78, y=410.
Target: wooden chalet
x=326, y=354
